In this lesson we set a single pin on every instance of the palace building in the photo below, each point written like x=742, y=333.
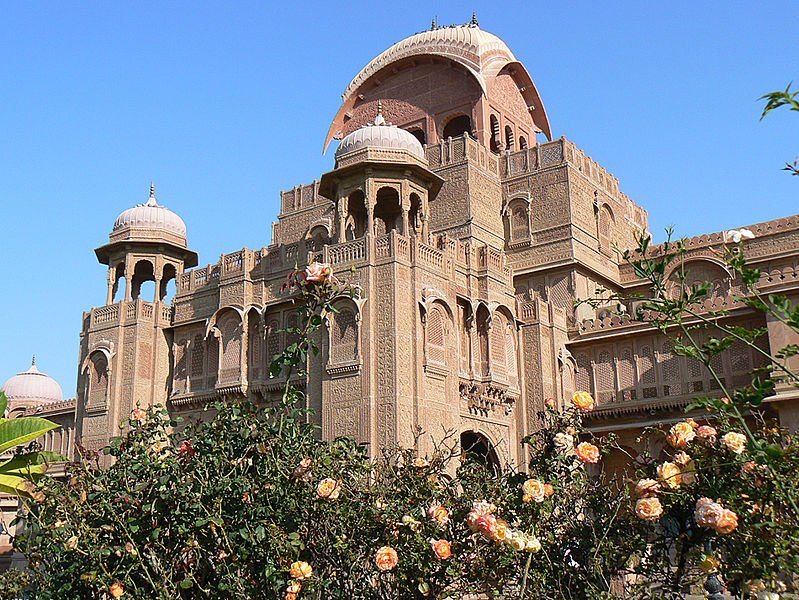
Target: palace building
x=469, y=233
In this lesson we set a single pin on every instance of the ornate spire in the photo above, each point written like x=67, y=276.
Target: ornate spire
x=151, y=201
x=33, y=361
x=379, y=119
x=433, y=25
x=474, y=22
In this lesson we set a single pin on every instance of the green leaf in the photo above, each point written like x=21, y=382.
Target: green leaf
x=14, y=432
x=3, y=403
x=32, y=463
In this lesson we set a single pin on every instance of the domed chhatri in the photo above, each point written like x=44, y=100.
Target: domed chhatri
x=382, y=135
x=151, y=216
x=32, y=388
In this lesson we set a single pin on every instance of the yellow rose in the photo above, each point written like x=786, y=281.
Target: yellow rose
x=648, y=509
x=329, y=489
x=116, y=590
x=680, y=434
x=735, y=442
x=583, y=400
x=300, y=570
x=670, y=475
x=534, y=490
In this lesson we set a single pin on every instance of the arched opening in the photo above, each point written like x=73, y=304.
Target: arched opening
x=496, y=139
x=181, y=370
x=355, y=224
x=167, y=291
x=318, y=237
x=478, y=447
x=509, y=139
x=605, y=228
x=415, y=214
x=255, y=346
x=230, y=329
x=97, y=395
x=698, y=272
x=483, y=328
x=436, y=330
x=464, y=338
x=522, y=142
x=418, y=133
x=457, y=126
x=119, y=275
x=519, y=220
x=143, y=280
x=344, y=335
x=387, y=211
x=498, y=359
x=274, y=334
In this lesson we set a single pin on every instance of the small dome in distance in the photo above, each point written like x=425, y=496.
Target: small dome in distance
x=381, y=135
x=31, y=388
x=150, y=215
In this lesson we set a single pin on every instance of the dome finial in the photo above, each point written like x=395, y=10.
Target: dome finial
x=379, y=119
x=33, y=361
x=433, y=25
x=474, y=22
x=151, y=201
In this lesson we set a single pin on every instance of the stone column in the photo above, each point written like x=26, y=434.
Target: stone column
x=157, y=294
x=341, y=234
x=111, y=277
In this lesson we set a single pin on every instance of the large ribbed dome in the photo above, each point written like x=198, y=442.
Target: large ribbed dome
x=380, y=135
x=31, y=388
x=150, y=215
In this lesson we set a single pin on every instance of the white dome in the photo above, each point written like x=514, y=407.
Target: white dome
x=32, y=387
x=381, y=135
x=150, y=216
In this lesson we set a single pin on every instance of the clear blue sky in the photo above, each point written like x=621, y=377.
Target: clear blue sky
x=223, y=104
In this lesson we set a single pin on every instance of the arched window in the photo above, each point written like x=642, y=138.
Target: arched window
x=143, y=272
x=477, y=446
x=387, y=210
x=457, y=126
x=522, y=142
x=510, y=357
x=273, y=335
x=605, y=228
x=344, y=337
x=519, y=220
x=355, y=225
x=498, y=358
x=98, y=381
x=319, y=237
x=584, y=380
x=414, y=216
x=167, y=291
x=212, y=344
x=510, y=142
x=464, y=337
x=255, y=347
x=181, y=366
x=482, y=335
x=436, y=335
x=418, y=133
x=229, y=325
x=605, y=378
x=119, y=275
x=197, y=362
x=700, y=271
x=496, y=136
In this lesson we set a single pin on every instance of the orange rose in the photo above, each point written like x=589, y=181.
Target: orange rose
x=137, y=414
x=548, y=490
x=533, y=490
x=318, y=273
x=293, y=590
x=386, y=558
x=441, y=548
x=501, y=530
x=587, y=452
x=583, y=400
x=329, y=489
x=670, y=475
x=706, y=433
x=648, y=509
x=680, y=434
x=420, y=463
x=549, y=403
x=300, y=570
x=647, y=488
x=439, y=514
x=727, y=522
x=116, y=590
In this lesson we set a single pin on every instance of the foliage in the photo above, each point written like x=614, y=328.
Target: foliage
x=19, y=472
x=776, y=100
